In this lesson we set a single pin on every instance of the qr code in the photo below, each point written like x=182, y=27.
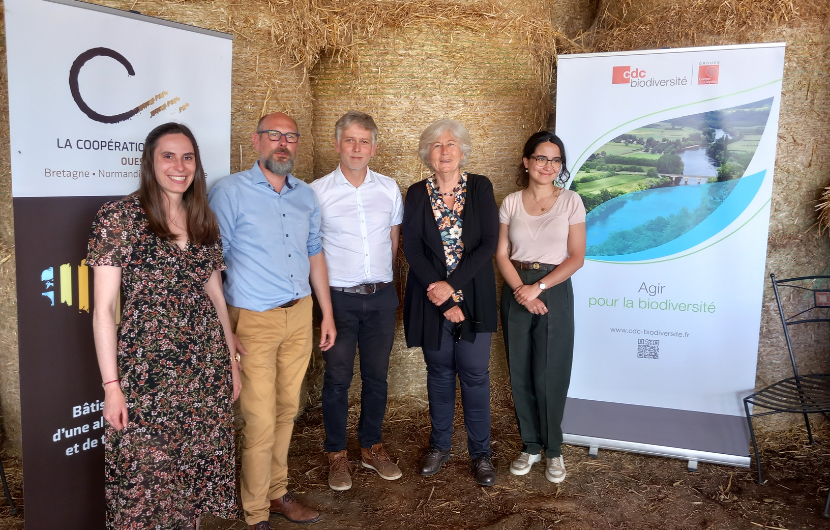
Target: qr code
x=648, y=349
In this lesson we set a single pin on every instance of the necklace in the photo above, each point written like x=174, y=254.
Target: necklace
x=543, y=205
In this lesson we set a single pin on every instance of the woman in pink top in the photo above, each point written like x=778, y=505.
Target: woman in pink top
x=541, y=244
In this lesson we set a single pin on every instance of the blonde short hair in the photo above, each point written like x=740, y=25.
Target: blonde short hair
x=432, y=133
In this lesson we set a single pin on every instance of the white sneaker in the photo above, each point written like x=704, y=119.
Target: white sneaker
x=555, y=469
x=522, y=464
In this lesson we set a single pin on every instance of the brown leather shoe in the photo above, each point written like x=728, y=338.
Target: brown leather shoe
x=292, y=510
x=376, y=458
x=339, y=469
x=262, y=525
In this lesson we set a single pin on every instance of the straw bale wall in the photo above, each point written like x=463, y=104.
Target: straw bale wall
x=9, y=381
x=802, y=170
x=489, y=64
x=406, y=80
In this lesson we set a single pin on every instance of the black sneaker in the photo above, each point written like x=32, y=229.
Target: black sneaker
x=483, y=470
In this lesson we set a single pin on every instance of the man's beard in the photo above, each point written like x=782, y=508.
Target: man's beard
x=279, y=168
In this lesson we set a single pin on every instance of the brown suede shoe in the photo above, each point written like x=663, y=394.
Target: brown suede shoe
x=376, y=458
x=262, y=525
x=339, y=469
x=292, y=510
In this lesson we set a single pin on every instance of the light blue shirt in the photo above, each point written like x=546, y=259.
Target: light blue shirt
x=267, y=238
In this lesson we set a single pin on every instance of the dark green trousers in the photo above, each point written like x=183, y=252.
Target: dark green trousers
x=539, y=355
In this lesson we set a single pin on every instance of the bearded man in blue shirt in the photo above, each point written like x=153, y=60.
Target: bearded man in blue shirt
x=270, y=226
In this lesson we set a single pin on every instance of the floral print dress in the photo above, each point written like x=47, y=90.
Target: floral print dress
x=450, y=222
x=175, y=458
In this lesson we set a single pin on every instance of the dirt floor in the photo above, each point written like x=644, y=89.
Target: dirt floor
x=616, y=490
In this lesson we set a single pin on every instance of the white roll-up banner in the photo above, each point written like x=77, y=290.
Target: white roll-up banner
x=673, y=154
x=86, y=85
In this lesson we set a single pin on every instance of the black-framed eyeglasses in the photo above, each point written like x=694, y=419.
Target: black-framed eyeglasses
x=456, y=332
x=542, y=161
x=275, y=136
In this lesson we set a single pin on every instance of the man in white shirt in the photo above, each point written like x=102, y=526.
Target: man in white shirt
x=362, y=213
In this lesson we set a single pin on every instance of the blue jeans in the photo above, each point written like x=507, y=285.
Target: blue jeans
x=470, y=361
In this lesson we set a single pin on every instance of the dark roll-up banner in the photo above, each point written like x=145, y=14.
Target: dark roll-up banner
x=672, y=152
x=86, y=85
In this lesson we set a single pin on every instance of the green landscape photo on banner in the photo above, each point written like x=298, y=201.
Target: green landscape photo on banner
x=648, y=187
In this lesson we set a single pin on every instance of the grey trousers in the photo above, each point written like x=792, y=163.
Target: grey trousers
x=539, y=355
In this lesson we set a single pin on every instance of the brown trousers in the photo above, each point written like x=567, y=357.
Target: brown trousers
x=278, y=342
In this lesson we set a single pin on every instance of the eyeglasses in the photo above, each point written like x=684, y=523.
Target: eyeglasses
x=542, y=161
x=275, y=136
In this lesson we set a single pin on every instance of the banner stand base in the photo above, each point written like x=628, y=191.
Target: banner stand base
x=693, y=457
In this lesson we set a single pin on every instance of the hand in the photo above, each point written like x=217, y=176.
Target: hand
x=327, y=333
x=536, y=307
x=238, y=349
x=115, y=406
x=237, y=379
x=454, y=314
x=526, y=293
x=439, y=292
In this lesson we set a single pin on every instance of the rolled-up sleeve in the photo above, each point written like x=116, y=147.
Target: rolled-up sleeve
x=224, y=207
x=314, y=245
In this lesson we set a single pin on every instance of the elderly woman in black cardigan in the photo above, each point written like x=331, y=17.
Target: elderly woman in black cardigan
x=450, y=233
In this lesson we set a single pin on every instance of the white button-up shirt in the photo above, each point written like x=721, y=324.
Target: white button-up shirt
x=356, y=224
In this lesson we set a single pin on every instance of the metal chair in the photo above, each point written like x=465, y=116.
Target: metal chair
x=6, y=489
x=800, y=394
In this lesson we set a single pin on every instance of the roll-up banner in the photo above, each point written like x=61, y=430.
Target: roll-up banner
x=86, y=85
x=673, y=153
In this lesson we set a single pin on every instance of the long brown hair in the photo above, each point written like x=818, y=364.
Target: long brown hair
x=202, y=227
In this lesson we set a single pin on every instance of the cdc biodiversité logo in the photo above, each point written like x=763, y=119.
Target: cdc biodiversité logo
x=638, y=78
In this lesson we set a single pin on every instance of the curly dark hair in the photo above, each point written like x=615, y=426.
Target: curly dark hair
x=523, y=179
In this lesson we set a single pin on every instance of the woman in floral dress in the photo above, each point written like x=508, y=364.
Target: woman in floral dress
x=166, y=370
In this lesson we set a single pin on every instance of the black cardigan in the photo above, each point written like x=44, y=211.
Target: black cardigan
x=423, y=320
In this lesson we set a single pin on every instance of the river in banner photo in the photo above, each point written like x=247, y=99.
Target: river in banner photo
x=657, y=182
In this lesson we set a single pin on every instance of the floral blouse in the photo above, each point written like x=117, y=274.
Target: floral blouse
x=450, y=223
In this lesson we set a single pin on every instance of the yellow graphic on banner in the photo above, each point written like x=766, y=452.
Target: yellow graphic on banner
x=83, y=286
x=66, y=284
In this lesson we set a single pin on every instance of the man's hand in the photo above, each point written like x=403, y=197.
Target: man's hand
x=327, y=333
x=454, y=314
x=439, y=292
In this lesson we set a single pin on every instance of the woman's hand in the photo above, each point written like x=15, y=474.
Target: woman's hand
x=454, y=314
x=536, y=307
x=439, y=292
x=526, y=293
x=115, y=406
x=240, y=350
x=237, y=378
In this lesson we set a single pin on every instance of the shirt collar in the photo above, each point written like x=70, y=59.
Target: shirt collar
x=258, y=177
x=340, y=178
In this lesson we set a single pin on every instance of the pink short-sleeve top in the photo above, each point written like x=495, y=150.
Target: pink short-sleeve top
x=541, y=238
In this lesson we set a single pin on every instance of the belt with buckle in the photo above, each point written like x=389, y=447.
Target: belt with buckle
x=286, y=305
x=532, y=265
x=364, y=288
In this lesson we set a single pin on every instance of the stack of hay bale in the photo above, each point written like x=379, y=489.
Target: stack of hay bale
x=491, y=66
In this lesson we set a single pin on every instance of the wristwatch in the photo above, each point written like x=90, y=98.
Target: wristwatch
x=542, y=286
